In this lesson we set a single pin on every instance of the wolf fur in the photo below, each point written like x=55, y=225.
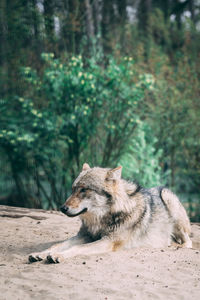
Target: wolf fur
x=118, y=214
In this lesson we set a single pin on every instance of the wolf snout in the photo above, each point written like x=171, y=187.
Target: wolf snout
x=64, y=209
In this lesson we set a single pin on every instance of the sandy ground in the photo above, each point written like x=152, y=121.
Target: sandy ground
x=127, y=274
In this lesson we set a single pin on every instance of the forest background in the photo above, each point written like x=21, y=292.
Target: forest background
x=104, y=82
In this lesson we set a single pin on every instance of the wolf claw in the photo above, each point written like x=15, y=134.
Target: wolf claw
x=32, y=259
x=55, y=259
x=51, y=260
x=36, y=257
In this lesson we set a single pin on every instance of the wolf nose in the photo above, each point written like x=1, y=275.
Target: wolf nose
x=64, y=209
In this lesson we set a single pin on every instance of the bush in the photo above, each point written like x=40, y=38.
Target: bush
x=75, y=111
x=141, y=161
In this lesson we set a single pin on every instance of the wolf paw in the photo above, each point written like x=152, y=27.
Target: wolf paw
x=55, y=258
x=36, y=257
x=187, y=245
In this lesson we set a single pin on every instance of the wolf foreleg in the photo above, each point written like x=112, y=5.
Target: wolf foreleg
x=76, y=240
x=98, y=247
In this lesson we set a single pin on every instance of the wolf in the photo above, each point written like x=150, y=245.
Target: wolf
x=117, y=214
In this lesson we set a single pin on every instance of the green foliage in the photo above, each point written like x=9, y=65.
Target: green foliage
x=74, y=104
x=141, y=161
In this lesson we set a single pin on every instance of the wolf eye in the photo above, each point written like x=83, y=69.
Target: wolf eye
x=83, y=190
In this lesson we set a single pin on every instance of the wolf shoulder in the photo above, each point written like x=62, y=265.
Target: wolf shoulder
x=164, y=194
x=171, y=202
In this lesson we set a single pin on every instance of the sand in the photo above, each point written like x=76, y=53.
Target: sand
x=127, y=274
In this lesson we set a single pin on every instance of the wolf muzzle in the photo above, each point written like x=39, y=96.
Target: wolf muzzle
x=65, y=210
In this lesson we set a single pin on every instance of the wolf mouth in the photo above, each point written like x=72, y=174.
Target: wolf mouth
x=74, y=215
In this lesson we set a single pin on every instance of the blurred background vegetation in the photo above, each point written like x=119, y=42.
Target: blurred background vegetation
x=106, y=82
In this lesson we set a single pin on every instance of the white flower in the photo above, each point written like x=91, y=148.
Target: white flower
x=34, y=111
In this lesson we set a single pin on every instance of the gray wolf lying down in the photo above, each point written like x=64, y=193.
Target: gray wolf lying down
x=117, y=214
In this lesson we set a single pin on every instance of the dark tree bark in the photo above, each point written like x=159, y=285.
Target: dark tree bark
x=164, y=6
x=122, y=18
x=192, y=10
x=72, y=24
x=97, y=13
x=49, y=21
x=97, y=8
x=178, y=9
x=144, y=28
x=36, y=31
x=3, y=47
x=144, y=10
x=89, y=20
x=108, y=23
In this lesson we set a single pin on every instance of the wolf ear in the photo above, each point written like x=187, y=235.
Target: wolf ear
x=85, y=167
x=114, y=174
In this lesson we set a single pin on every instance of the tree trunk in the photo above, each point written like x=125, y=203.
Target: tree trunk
x=3, y=46
x=89, y=22
x=97, y=12
x=144, y=11
x=108, y=24
x=192, y=10
x=35, y=22
x=72, y=24
x=49, y=22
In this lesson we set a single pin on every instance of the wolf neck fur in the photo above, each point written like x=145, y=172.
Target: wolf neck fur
x=125, y=198
x=122, y=202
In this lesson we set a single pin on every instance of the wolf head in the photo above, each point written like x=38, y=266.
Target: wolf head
x=94, y=191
